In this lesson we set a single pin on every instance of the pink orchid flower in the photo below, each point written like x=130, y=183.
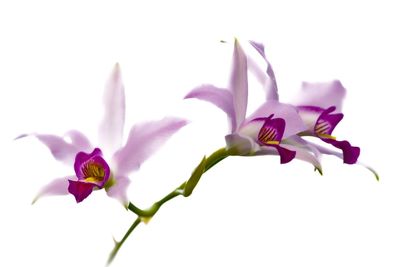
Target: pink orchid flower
x=92, y=170
x=319, y=106
x=265, y=131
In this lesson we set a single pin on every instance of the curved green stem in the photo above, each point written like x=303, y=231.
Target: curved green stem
x=120, y=243
x=185, y=189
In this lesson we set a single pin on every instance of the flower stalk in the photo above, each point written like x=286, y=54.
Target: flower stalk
x=185, y=189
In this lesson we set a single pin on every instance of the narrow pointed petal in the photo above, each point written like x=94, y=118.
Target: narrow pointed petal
x=294, y=123
x=58, y=186
x=143, y=141
x=80, y=190
x=323, y=95
x=221, y=98
x=238, y=84
x=118, y=190
x=112, y=125
x=269, y=81
x=59, y=148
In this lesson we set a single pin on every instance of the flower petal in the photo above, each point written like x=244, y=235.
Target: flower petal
x=118, y=190
x=323, y=95
x=350, y=153
x=268, y=80
x=80, y=190
x=144, y=139
x=61, y=150
x=78, y=139
x=222, y=98
x=240, y=145
x=328, y=151
x=112, y=125
x=319, y=120
x=304, y=155
x=285, y=154
x=238, y=84
x=294, y=123
x=58, y=186
x=297, y=141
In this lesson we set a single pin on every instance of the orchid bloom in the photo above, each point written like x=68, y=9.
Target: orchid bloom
x=265, y=131
x=319, y=106
x=92, y=171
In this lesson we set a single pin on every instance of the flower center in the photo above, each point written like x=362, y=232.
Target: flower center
x=93, y=172
x=92, y=168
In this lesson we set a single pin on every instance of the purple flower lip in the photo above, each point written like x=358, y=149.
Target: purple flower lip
x=272, y=131
x=271, y=134
x=327, y=122
x=92, y=171
x=92, y=168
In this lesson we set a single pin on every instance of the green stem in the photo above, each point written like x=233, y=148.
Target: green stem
x=146, y=214
x=119, y=244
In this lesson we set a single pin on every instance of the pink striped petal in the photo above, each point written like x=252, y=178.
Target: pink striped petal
x=294, y=123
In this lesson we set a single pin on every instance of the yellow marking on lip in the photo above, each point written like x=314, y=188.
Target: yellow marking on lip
x=327, y=136
x=93, y=173
x=93, y=179
x=272, y=142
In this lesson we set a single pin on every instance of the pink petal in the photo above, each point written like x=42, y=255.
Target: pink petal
x=61, y=150
x=78, y=139
x=238, y=84
x=301, y=154
x=304, y=155
x=294, y=123
x=144, y=140
x=58, y=186
x=112, y=125
x=338, y=154
x=240, y=144
x=118, y=190
x=323, y=95
x=222, y=98
x=267, y=78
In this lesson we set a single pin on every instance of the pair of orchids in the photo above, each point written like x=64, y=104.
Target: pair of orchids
x=275, y=128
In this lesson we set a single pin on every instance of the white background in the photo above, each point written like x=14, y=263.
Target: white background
x=54, y=60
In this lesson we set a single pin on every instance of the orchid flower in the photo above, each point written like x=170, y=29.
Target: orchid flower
x=265, y=131
x=319, y=106
x=92, y=170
